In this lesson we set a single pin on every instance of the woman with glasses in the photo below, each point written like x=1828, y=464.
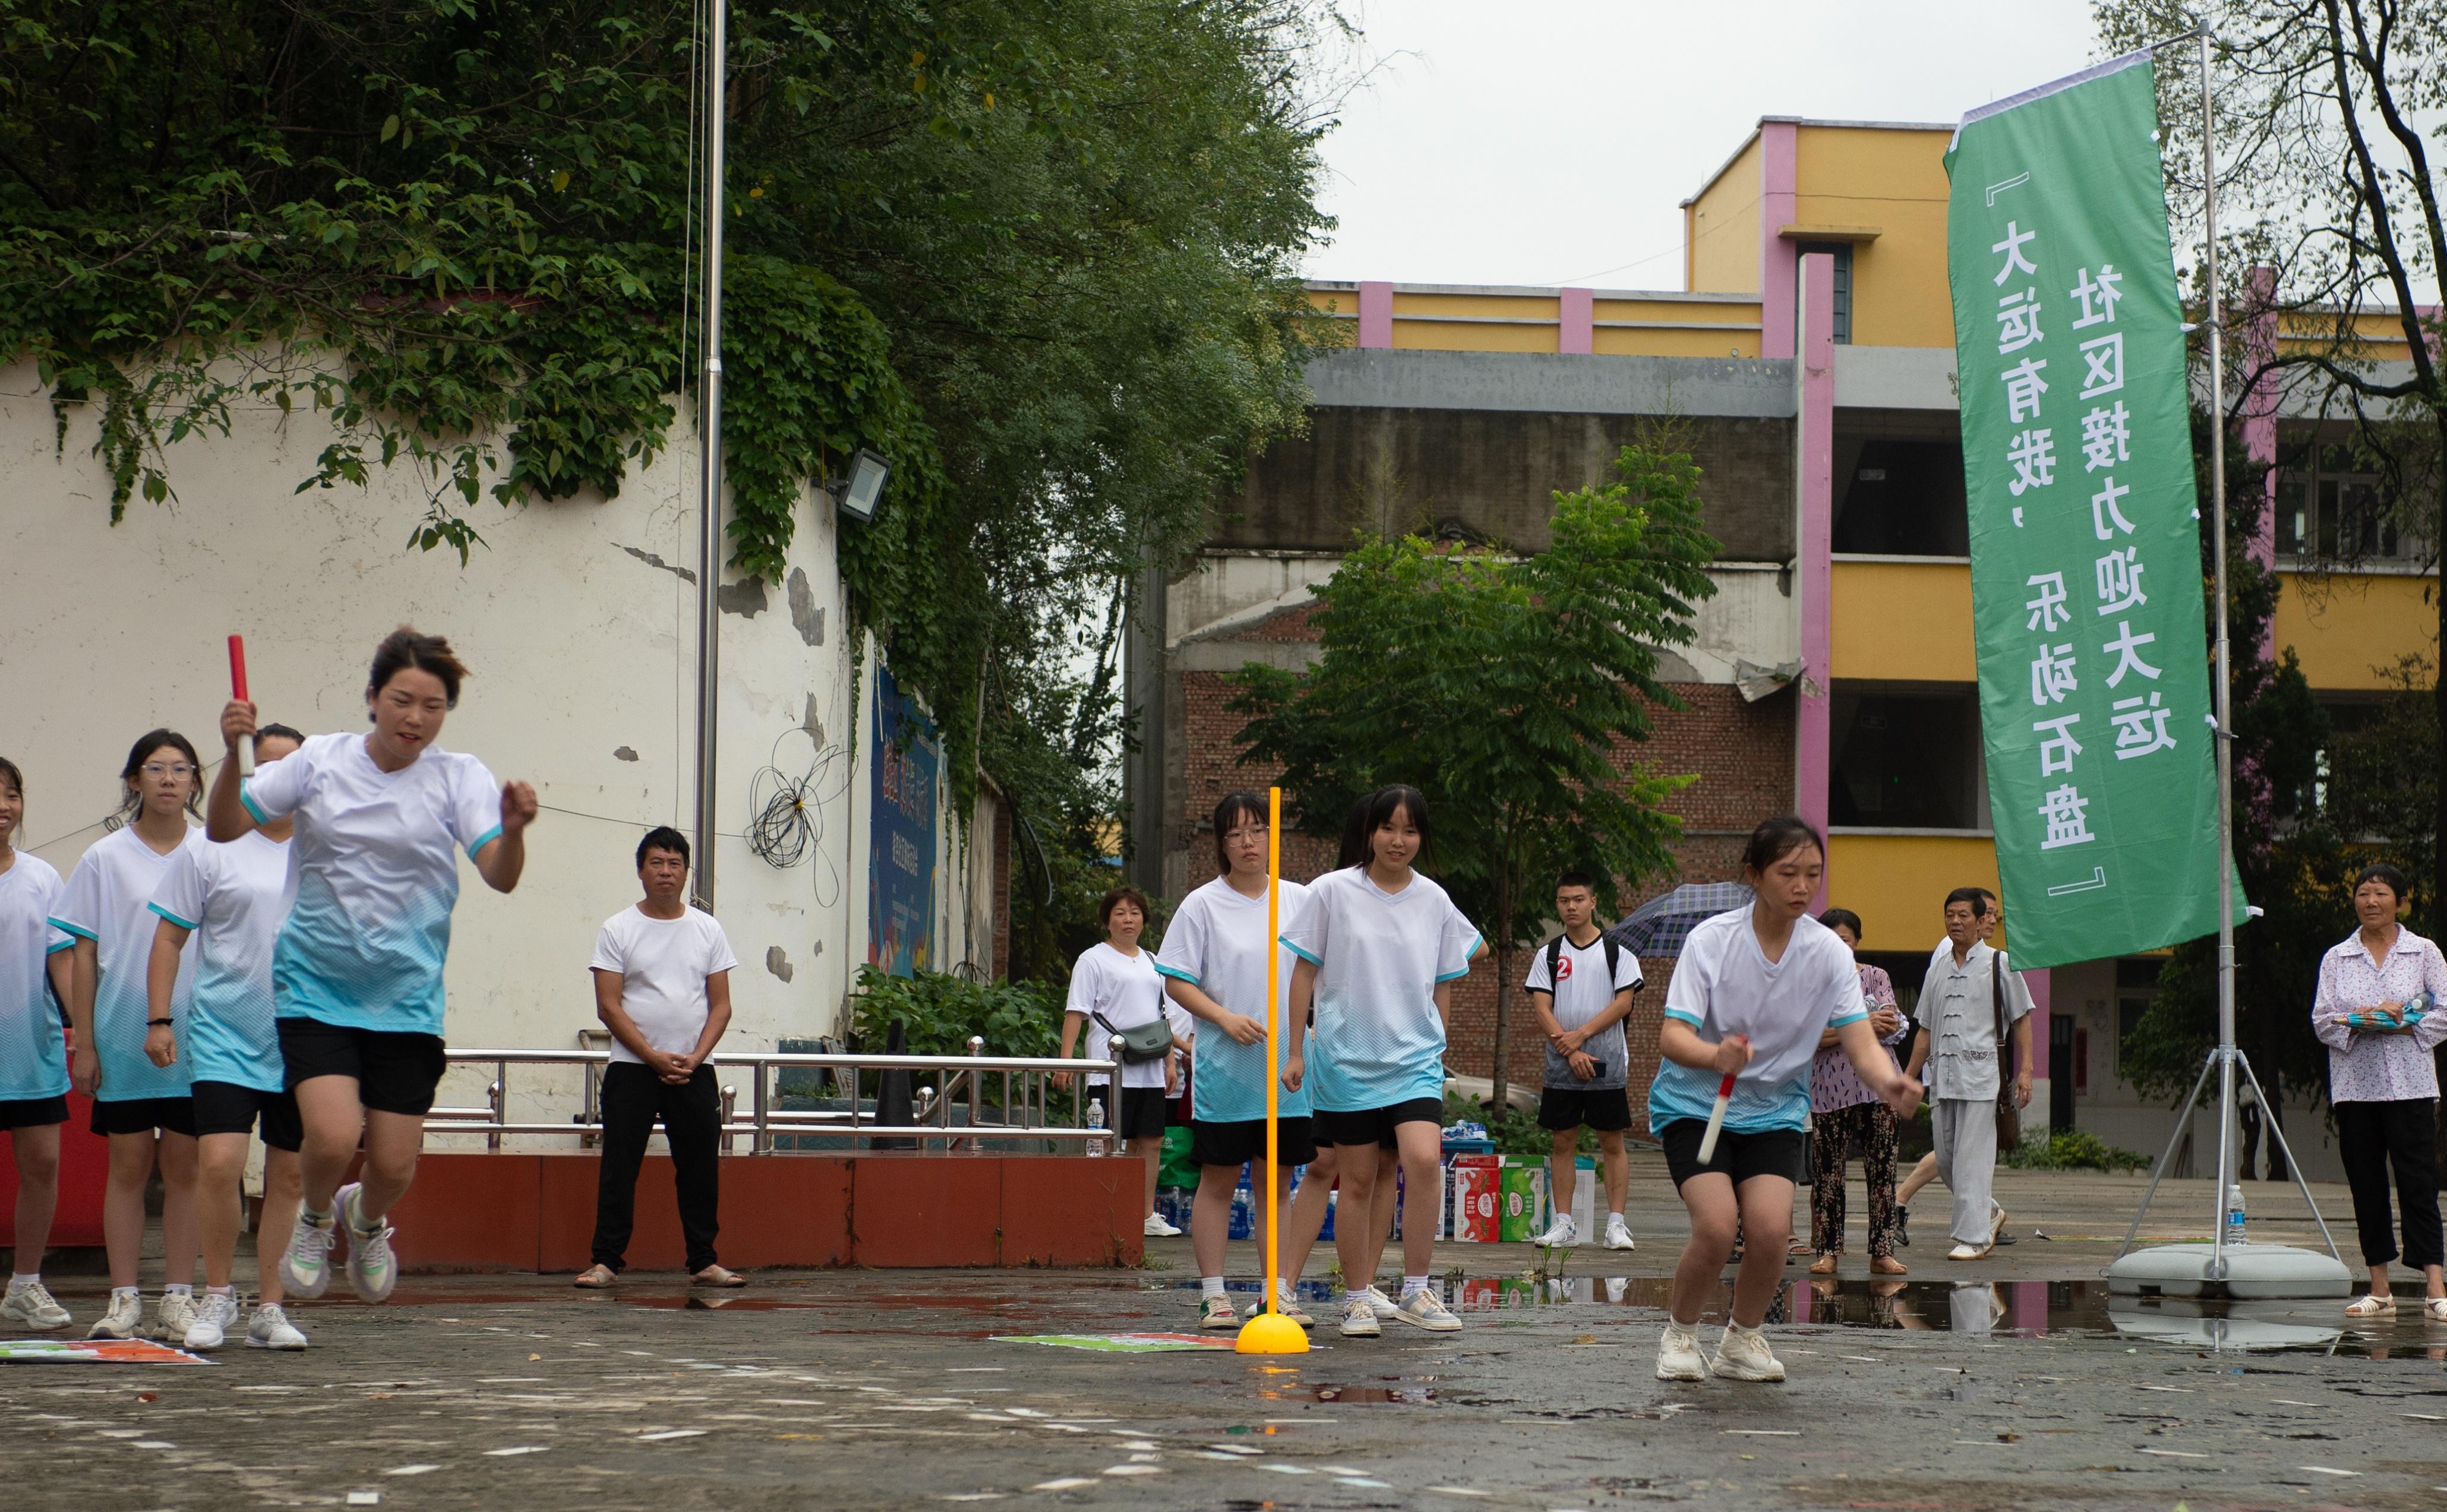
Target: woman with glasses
x=144, y=1109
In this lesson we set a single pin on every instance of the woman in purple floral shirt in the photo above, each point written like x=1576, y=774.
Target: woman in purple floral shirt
x=1842, y=1110
x=2377, y=1011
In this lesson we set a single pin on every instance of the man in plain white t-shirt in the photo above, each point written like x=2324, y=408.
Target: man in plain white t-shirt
x=662, y=987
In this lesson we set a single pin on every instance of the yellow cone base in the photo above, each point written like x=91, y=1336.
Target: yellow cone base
x=1271, y=1333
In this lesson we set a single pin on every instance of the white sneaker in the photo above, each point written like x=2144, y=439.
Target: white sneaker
x=30, y=1306
x=272, y=1330
x=1217, y=1312
x=1286, y=1304
x=1677, y=1355
x=306, y=1261
x=1565, y=1234
x=125, y=1314
x=175, y=1314
x=1617, y=1233
x=1742, y=1355
x=1424, y=1308
x=373, y=1269
x=1359, y=1318
x=1158, y=1227
x=212, y=1321
x=1380, y=1304
x=1965, y=1252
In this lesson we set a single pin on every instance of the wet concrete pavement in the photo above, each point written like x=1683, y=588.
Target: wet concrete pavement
x=2014, y=1384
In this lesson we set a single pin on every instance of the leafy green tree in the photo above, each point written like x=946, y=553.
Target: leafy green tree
x=1511, y=691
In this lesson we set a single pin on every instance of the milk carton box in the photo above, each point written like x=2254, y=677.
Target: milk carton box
x=1477, y=1203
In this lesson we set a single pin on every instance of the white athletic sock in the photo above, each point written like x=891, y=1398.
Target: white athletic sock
x=1412, y=1286
x=1747, y=1334
x=178, y=1289
x=118, y=1292
x=18, y=1278
x=1350, y=1295
x=221, y=1291
x=1210, y=1285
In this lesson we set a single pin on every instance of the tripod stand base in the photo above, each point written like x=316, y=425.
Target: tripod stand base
x=2251, y=1271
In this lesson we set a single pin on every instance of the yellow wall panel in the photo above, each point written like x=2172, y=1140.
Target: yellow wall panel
x=2346, y=625
x=1744, y=312
x=1898, y=883
x=1506, y=307
x=1725, y=228
x=1894, y=180
x=1443, y=335
x=1729, y=343
x=1903, y=622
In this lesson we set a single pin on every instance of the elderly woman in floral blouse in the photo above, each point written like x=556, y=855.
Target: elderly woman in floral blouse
x=1842, y=1110
x=2379, y=1015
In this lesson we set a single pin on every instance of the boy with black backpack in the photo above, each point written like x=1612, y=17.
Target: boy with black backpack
x=1581, y=984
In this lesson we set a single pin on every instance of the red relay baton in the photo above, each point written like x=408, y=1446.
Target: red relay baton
x=1717, y=1118
x=238, y=690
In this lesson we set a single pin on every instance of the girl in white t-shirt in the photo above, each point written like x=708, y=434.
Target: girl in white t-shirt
x=34, y=967
x=1114, y=987
x=356, y=976
x=142, y=1108
x=1379, y=949
x=1753, y=992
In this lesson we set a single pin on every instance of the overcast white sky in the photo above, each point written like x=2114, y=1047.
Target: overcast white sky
x=1551, y=141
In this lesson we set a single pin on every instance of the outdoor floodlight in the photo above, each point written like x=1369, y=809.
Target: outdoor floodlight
x=855, y=494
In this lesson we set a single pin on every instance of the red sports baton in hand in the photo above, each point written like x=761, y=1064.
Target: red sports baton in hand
x=238, y=690
x=1717, y=1114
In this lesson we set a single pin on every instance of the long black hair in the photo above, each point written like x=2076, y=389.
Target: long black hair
x=1777, y=838
x=1372, y=812
x=131, y=799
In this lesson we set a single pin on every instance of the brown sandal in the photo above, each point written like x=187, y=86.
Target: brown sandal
x=1887, y=1265
x=714, y=1275
x=595, y=1278
x=1824, y=1265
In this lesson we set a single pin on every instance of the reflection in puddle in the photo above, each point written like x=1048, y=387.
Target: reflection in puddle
x=701, y=1302
x=1413, y=1394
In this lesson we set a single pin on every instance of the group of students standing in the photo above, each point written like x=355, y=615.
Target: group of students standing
x=276, y=969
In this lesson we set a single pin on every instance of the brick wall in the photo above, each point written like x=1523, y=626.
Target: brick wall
x=1741, y=753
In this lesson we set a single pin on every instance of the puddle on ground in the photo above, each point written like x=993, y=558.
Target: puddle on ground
x=1416, y=1395
x=2004, y=1310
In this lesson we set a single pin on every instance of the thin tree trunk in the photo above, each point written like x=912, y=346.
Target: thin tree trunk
x=1498, y=1090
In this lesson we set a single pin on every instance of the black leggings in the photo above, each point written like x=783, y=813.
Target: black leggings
x=2372, y=1137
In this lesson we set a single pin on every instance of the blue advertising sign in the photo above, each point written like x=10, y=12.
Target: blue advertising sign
x=900, y=846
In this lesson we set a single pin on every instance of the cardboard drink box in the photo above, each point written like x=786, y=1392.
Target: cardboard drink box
x=1523, y=1186
x=1476, y=1200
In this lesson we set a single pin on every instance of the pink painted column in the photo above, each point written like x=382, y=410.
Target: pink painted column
x=1576, y=321
x=1779, y=142
x=1375, y=314
x=1813, y=466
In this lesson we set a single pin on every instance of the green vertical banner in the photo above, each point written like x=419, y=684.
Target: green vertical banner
x=2085, y=536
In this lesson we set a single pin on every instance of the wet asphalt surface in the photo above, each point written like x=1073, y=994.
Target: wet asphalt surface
x=2012, y=1383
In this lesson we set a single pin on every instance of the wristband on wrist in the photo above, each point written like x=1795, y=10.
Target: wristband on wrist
x=161, y=1023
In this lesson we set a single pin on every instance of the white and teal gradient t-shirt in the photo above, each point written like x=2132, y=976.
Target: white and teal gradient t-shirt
x=233, y=898
x=1378, y=1038
x=377, y=858
x=1724, y=985
x=1217, y=942
x=33, y=1056
x=107, y=902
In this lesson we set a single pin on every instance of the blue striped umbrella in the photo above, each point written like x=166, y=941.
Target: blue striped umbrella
x=1659, y=926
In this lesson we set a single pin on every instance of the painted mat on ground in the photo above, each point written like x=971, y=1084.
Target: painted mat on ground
x=1120, y=1343
x=95, y=1351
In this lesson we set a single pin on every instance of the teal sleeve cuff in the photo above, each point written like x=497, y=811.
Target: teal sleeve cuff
x=1302, y=954
x=63, y=945
x=1684, y=1015
x=64, y=926
x=482, y=840
x=1175, y=973
x=248, y=798
x=172, y=918
x=1857, y=1016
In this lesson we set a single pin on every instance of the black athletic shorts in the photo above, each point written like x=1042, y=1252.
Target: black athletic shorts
x=1142, y=1113
x=143, y=1115
x=225, y=1107
x=1563, y=1107
x=1767, y=1152
x=1375, y=1125
x=33, y=1112
x=395, y=1072
x=1230, y=1144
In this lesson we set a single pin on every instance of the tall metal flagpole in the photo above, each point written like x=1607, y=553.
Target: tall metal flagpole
x=710, y=536
x=2224, y=687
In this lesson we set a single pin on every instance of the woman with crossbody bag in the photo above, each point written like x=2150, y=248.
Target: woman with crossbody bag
x=1115, y=986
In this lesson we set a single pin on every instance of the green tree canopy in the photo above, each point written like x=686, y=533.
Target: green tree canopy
x=1511, y=691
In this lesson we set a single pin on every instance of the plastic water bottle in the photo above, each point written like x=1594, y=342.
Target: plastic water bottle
x=2234, y=1213
x=1096, y=1121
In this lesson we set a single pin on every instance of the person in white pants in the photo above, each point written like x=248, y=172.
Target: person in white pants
x=1959, y=1014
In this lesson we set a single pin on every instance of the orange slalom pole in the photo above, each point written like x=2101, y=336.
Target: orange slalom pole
x=1269, y=1331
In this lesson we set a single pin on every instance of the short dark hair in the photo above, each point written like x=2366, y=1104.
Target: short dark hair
x=131, y=802
x=405, y=648
x=264, y=732
x=1841, y=918
x=2383, y=872
x=1976, y=897
x=1576, y=878
x=662, y=837
x=1115, y=898
x=17, y=779
x=1228, y=812
x=1775, y=839
x=1375, y=810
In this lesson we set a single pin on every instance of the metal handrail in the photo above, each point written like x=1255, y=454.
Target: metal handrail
x=954, y=1075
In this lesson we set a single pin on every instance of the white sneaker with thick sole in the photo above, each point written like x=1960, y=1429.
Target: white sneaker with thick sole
x=1217, y=1312
x=212, y=1322
x=1158, y=1227
x=373, y=1269
x=30, y=1306
x=305, y=1260
x=1360, y=1319
x=1286, y=1304
x=1742, y=1355
x=1380, y=1304
x=1424, y=1308
x=272, y=1330
x=1565, y=1234
x=1965, y=1252
x=175, y=1314
x=1677, y=1355
x=1617, y=1233
x=124, y=1316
